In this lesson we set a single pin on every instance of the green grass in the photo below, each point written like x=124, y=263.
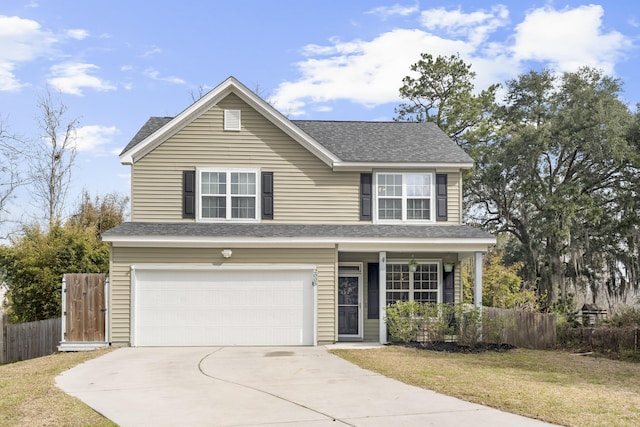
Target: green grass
x=552, y=386
x=29, y=396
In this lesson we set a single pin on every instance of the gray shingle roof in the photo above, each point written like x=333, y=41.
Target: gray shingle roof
x=152, y=125
x=140, y=229
x=385, y=141
x=364, y=141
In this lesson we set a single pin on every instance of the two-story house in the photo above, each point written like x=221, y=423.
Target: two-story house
x=248, y=228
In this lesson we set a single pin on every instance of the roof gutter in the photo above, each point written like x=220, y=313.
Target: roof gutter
x=368, y=166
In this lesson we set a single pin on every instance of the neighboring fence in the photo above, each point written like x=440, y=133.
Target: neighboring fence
x=523, y=328
x=28, y=340
x=602, y=339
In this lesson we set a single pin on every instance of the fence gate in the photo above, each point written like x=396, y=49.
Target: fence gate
x=83, y=311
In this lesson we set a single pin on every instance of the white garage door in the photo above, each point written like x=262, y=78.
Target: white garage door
x=222, y=307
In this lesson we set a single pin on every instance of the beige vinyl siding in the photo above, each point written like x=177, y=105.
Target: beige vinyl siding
x=124, y=257
x=306, y=190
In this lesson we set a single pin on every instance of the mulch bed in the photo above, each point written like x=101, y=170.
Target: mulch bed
x=453, y=347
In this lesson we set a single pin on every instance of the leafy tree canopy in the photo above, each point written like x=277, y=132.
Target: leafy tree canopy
x=33, y=264
x=557, y=167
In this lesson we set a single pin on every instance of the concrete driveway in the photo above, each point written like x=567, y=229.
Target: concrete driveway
x=260, y=386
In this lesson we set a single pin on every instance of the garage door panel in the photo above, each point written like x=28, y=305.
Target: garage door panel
x=214, y=307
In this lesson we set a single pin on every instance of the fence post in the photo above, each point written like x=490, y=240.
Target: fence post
x=107, y=313
x=64, y=309
x=3, y=334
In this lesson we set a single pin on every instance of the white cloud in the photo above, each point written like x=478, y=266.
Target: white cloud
x=385, y=12
x=155, y=75
x=155, y=50
x=8, y=81
x=366, y=72
x=71, y=77
x=90, y=138
x=78, y=34
x=22, y=40
x=568, y=38
x=370, y=72
x=475, y=26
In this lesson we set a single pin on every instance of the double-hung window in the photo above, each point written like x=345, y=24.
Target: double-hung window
x=228, y=195
x=404, y=197
x=420, y=285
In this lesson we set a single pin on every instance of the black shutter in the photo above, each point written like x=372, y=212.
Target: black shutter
x=373, y=290
x=189, y=194
x=267, y=195
x=449, y=288
x=441, y=197
x=365, y=196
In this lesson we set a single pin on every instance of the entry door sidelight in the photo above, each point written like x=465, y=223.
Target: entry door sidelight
x=350, y=303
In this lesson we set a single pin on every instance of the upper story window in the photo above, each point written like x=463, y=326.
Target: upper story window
x=228, y=195
x=404, y=197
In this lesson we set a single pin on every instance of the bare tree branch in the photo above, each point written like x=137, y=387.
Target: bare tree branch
x=54, y=156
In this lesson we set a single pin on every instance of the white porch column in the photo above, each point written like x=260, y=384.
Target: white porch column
x=382, y=295
x=477, y=287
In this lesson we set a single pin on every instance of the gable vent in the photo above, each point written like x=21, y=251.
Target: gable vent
x=231, y=119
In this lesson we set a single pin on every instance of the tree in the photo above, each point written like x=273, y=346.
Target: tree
x=11, y=156
x=502, y=286
x=555, y=175
x=53, y=158
x=443, y=93
x=33, y=265
x=101, y=214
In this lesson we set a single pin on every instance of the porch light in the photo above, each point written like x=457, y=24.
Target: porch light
x=413, y=265
x=448, y=267
x=226, y=253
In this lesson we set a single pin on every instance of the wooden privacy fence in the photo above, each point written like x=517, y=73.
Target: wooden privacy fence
x=523, y=328
x=25, y=341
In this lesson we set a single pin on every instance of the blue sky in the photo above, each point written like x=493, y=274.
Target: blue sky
x=115, y=63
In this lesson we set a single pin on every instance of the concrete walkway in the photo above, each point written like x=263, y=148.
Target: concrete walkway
x=260, y=386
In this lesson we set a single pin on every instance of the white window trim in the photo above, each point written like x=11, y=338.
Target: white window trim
x=411, y=290
x=404, y=220
x=228, y=171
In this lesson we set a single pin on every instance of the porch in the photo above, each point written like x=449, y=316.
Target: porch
x=366, y=282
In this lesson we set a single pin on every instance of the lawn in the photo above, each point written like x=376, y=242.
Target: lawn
x=29, y=396
x=552, y=386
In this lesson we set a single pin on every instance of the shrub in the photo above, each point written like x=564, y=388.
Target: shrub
x=404, y=319
x=628, y=317
x=468, y=325
x=494, y=329
x=411, y=321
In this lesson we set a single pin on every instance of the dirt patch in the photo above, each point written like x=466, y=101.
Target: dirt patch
x=452, y=347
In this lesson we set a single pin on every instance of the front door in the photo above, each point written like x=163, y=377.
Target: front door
x=350, y=301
